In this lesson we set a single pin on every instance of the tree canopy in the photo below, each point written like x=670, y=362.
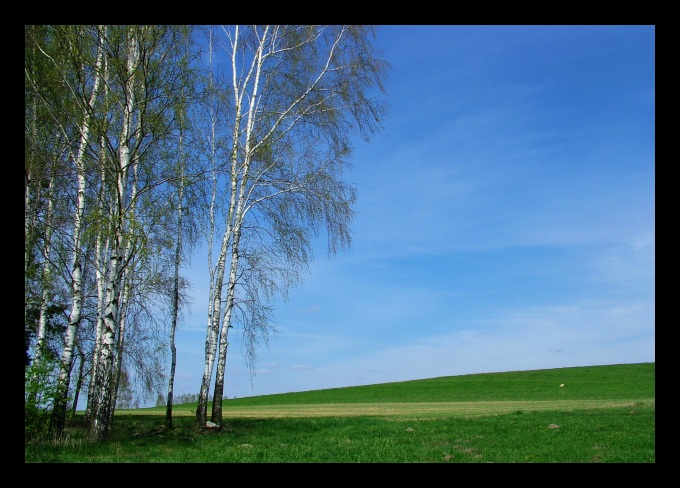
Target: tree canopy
x=140, y=141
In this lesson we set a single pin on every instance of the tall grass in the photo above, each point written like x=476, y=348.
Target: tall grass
x=601, y=414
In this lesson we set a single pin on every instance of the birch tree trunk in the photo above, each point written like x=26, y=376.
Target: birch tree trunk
x=101, y=257
x=47, y=246
x=125, y=285
x=175, y=288
x=41, y=341
x=101, y=414
x=59, y=410
x=216, y=273
x=239, y=185
x=46, y=272
x=30, y=211
x=79, y=381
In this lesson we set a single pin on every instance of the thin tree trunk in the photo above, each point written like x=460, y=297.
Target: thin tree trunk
x=59, y=409
x=125, y=290
x=79, y=381
x=102, y=244
x=30, y=215
x=45, y=280
x=211, y=339
x=47, y=245
x=175, y=295
x=120, y=347
x=216, y=275
x=239, y=214
x=216, y=416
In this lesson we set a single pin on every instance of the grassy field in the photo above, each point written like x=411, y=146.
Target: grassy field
x=598, y=414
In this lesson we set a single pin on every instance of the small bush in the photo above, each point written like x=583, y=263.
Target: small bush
x=40, y=388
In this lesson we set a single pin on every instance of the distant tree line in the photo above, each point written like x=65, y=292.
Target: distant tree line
x=178, y=399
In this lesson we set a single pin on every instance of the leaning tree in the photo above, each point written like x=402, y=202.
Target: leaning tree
x=296, y=96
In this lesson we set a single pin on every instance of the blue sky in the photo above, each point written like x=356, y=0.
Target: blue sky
x=505, y=219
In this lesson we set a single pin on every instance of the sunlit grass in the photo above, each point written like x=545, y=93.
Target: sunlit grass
x=575, y=427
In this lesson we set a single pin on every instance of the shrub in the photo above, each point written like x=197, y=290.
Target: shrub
x=40, y=388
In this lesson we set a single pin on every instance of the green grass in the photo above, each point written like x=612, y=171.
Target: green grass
x=602, y=414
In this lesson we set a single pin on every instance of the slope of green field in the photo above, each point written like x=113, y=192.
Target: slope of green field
x=599, y=383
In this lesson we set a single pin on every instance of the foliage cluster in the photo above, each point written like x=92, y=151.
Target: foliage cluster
x=39, y=395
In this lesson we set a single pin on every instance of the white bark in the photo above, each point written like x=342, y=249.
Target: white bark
x=175, y=290
x=47, y=265
x=239, y=178
x=104, y=378
x=102, y=244
x=76, y=274
x=212, y=326
x=125, y=285
x=275, y=108
x=30, y=215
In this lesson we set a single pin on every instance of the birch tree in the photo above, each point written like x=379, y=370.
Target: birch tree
x=105, y=203
x=298, y=93
x=66, y=50
x=99, y=99
x=40, y=199
x=186, y=203
x=43, y=212
x=146, y=73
